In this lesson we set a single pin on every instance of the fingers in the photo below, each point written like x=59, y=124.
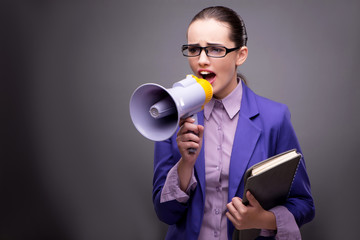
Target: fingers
x=237, y=203
x=189, y=131
x=237, y=208
x=236, y=211
x=189, y=136
x=187, y=125
x=244, y=217
x=252, y=200
x=232, y=218
x=189, y=120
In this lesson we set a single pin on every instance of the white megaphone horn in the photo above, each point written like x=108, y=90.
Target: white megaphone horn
x=156, y=111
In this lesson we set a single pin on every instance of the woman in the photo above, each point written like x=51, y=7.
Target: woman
x=199, y=194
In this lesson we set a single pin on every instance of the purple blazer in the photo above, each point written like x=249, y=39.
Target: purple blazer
x=264, y=129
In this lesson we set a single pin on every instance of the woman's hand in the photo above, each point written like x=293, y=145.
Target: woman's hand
x=189, y=136
x=250, y=216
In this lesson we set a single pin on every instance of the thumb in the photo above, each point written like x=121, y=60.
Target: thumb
x=252, y=200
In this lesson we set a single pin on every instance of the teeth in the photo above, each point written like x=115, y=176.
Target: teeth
x=204, y=72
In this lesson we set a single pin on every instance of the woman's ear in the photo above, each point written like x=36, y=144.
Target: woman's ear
x=242, y=55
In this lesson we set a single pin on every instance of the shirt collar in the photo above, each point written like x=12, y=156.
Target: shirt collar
x=231, y=102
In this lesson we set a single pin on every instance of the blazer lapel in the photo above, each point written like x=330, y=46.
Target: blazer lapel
x=246, y=137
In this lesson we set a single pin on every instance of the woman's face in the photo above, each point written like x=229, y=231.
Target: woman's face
x=220, y=72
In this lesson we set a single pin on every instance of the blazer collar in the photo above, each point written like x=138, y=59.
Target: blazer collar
x=249, y=108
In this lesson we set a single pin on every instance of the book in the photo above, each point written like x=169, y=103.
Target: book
x=270, y=180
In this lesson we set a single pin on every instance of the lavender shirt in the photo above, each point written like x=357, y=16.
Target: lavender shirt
x=221, y=117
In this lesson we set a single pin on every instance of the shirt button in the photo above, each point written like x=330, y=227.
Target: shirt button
x=216, y=234
x=217, y=211
x=218, y=189
x=218, y=147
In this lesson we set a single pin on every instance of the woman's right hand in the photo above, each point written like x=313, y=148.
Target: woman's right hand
x=189, y=136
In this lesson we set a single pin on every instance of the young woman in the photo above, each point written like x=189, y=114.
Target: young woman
x=199, y=194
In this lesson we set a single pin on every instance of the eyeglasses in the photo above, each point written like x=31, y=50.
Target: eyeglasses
x=211, y=51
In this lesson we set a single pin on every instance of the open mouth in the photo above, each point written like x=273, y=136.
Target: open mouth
x=207, y=75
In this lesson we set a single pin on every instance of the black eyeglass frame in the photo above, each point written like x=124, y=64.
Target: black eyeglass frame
x=227, y=50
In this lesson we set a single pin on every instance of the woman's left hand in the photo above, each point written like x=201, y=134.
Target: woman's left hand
x=250, y=216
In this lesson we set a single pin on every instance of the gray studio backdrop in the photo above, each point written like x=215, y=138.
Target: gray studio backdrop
x=74, y=166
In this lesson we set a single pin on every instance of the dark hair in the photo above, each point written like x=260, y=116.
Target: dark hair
x=238, y=32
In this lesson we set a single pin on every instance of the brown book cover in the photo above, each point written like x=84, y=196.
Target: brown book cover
x=270, y=180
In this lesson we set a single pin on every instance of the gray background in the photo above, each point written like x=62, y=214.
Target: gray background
x=74, y=167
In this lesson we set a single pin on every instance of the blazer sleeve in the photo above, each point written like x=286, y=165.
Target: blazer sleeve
x=300, y=202
x=165, y=157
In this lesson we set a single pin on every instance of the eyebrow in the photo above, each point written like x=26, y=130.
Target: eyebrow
x=215, y=44
x=208, y=44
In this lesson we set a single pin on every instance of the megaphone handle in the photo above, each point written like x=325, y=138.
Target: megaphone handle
x=193, y=150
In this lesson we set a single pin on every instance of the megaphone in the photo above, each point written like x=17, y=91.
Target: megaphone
x=156, y=111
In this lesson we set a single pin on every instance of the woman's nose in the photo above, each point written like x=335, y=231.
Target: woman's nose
x=203, y=58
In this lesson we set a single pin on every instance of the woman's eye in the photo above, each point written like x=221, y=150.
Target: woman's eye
x=192, y=49
x=216, y=50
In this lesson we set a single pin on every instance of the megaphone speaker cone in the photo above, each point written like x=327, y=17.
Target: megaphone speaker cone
x=156, y=129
